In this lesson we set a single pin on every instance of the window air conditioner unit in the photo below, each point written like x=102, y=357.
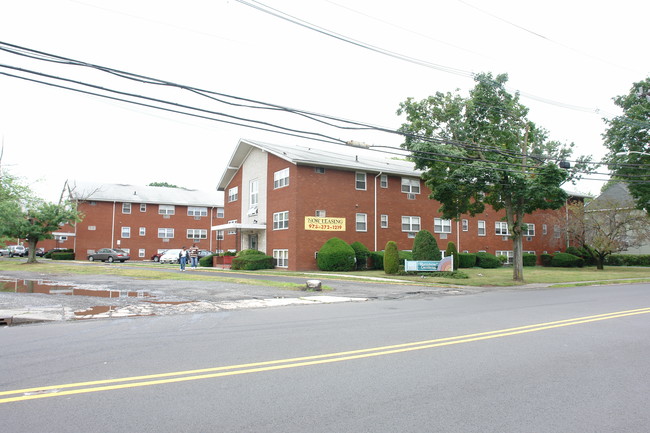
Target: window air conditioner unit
x=166, y=240
x=197, y=218
x=166, y=217
x=504, y=238
x=410, y=196
x=529, y=238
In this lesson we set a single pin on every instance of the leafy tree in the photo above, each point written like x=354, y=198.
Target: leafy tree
x=482, y=150
x=425, y=246
x=629, y=134
x=165, y=184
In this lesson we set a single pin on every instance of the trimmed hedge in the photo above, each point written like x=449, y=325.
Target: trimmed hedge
x=628, y=260
x=487, y=261
x=252, y=262
x=62, y=256
x=206, y=261
x=361, y=252
x=452, y=251
x=530, y=259
x=566, y=260
x=244, y=253
x=336, y=255
x=546, y=259
x=48, y=255
x=425, y=246
x=391, y=258
x=466, y=260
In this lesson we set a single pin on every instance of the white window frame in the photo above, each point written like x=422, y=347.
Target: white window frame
x=197, y=234
x=141, y=252
x=410, y=185
x=383, y=221
x=165, y=233
x=126, y=232
x=481, y=228
x=126, y=208
x=281, y=178
x=281, y=220
x=166, y=209
x=142, y=231
x=557, y=233
x=465, y=225
x=232, y=231
x=383, y=181
x=197, y=211
x=544, y=229
x=143, y=207
x=220, y=212
x=441, y=225
x=530, y=230
x=220, y=235
x=501, y=228
x=320, y=213
x=360, y=181
x=508, y=253
x=411, y=224
x=361, y=222
x=253, y=193
x=281, y=258
x=233, y=194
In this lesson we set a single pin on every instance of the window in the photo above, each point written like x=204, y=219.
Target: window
x=126, y=207
x=197, y=211
x=141, y=252
x=362, y=222
x=544, y=229
x=501, y=228
x=220, y=236
x=509, y=254
x=197, y=234
x=91, y=228
x=383, y=221
x=143, y=207
x=281, y=220
x=410, y=223
x=253, y=193
x=481, y=228
x=321, y=213
x=441, y=225
x=281, y=178
x=220, y=212
x=383, y=181
x=556, y=232
x=529, y=230
x=232, y=231
x=233, y=194
x=360, y=181
x=165, y=233
x=143, y=231
x=126, y=232
x=465, y=225
x=319, y=170
x=410, y=185
x=281, y=258
x=165, y=209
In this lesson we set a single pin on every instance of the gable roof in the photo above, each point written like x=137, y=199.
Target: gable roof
x=342, y=157
x=125, y=193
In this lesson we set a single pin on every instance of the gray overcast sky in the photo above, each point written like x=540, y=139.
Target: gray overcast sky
x=572, y=53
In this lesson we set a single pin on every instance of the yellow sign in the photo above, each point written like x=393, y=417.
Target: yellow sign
x=325, y=224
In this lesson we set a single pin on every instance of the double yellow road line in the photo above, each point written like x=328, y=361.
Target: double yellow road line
x=280, y=364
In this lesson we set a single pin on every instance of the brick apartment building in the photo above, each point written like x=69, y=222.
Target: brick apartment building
x=142, y=220
x=289, y=200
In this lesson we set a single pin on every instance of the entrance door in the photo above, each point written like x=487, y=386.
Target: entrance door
x=252, y=242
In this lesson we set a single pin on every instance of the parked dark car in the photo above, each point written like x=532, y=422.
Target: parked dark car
x=109, y=255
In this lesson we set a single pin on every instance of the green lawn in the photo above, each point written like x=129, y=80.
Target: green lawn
x=477, y=276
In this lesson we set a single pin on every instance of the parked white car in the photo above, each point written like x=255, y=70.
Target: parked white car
x=170, y=256
x=17, y=250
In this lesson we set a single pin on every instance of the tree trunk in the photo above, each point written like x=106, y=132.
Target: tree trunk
x=31, y=256
x=600, y=262
x=518, y=260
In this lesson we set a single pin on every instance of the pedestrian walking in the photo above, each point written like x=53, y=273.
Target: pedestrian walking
x=182, y=258
x=194, y=256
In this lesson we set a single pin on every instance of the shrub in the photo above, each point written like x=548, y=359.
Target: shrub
x=452, y=251
x=530, y=259
x=628, y=260
x=546, y=259
x=503, y=259
x=243, y=253
x=361, y=252
x=206, y=261
x=377, y=260
x=391, y=258
x=336, y=255
x=566, y=260
x=229, y=253
x=425, y=246
x=466, y=260
x=48, y=255
x=58, y=255
x=487, y=261
x=251, y=262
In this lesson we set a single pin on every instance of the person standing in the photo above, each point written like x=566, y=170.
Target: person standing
x=194, y=256
x=182, y=258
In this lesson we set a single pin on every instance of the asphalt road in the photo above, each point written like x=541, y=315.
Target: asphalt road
x=552, y=360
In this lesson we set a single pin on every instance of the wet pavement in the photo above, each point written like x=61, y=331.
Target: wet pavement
x=27, y=297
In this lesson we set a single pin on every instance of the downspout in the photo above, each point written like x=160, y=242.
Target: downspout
x=458, y=234
x=210, y=227
x=113, y=227
x=376, y=222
